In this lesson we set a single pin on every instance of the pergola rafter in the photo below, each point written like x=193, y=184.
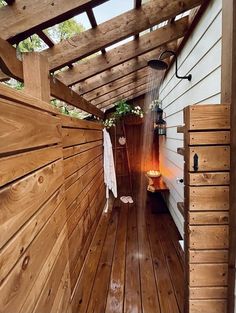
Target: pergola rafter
x=117, y=72
x=23, y=19
x=114, y=30
x=124, y=52
x=13, y=67
x=116, y=84
x=129, y=95
x=113, y=74
x=100, y=100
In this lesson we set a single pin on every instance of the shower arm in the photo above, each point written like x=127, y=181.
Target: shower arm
x=189, y=77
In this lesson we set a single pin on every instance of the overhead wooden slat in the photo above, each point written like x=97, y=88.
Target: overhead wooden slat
x=22, y=19
x=49, y=42
x=91, y=18
x=93, y=22
x=137, y=4
x=116, y=84
x=62, y=92
x=116, y=29
x=127, y=95
x=117, y=92
x=122, y=70
x=13, y=67
x=124, y=52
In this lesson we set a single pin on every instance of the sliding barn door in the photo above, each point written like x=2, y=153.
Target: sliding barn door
x=207, y=165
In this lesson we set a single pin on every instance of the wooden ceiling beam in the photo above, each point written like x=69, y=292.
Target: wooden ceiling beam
x=134, y=84
x=23, y=19
x=91, y=18
x=138, y=91
x=122, y=70
x=137, y=5
x=116, y=84
x=124, y=52
x=13, y=67
x=123, y=26
x=93, y=23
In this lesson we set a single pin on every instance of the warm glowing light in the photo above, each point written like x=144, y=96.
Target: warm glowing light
x=153, y=173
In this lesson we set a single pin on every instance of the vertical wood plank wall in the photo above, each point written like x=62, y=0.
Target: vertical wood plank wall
x=201, y=57
x=51, y=197
x=206, y=207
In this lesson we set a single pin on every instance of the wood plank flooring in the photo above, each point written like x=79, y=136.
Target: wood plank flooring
x=133, y=265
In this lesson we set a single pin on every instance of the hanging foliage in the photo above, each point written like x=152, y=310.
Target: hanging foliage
x=123, y=109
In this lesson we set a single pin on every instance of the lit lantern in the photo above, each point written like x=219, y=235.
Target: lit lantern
x=160, y=124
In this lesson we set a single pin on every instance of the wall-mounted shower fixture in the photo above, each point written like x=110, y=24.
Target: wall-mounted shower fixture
x=159, y=64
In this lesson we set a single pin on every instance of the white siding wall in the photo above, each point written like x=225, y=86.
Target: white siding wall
x=201, y=57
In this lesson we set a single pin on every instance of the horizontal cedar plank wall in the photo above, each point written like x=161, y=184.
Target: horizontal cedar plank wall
x=84, y=188
x=33, y=233
x=52, y=194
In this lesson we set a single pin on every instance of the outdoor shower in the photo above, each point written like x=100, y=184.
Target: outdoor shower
x=159, y=64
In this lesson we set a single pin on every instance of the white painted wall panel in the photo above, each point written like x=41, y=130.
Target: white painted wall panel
x=201, y=57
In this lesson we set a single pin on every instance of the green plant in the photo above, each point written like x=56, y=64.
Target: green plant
x=122, y=109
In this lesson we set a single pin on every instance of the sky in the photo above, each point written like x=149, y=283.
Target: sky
x=106, y=11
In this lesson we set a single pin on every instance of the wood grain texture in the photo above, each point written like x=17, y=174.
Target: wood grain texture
x=24, y=128
x=18, y=165
x=36, y=82
x=210, y=158
x=212, y=306
x=115, y=298
x=207, y=117
x=115, y=30
x=124, y=53
x=23, y=198
x=208, y=275
x=208, y=256
x=208, y=179
x=209, y=198
x=119, y=71
x=208, y=218
x=23, y=19
x=200, y=293
x=12, y=294
x=12, y=252
x=208, y=138
x=72, y=137
x=98, y=92
x=13, y=67
x=208, y=237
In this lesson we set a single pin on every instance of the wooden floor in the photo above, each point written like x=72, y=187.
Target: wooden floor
x=132, y=266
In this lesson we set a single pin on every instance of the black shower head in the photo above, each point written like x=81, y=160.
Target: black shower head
x=158, y=64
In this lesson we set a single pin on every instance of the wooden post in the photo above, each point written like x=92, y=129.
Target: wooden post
x=228, y=95
x=36, y=75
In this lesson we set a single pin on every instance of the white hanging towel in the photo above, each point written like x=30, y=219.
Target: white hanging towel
x=109, y=167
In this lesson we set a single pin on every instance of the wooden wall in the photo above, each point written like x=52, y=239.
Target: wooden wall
x=201, y=57
x=51, y=196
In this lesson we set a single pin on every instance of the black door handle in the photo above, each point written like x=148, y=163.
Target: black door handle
x=195, y=162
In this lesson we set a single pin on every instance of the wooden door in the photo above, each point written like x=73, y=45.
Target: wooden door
x=207, y=164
